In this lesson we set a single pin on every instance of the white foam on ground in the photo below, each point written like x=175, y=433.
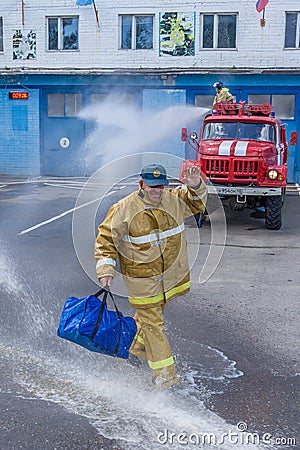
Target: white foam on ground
x=27, y=311
x=118, y=401
x=204, y=363
x=8, y=277
x=116, y=398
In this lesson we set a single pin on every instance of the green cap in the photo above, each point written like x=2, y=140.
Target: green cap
x=154, y=175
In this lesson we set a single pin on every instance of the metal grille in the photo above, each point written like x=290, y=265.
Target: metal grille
x=235, y=170
x=245, y=169
x=218, y=167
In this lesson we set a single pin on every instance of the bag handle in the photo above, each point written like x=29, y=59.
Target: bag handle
x=107, y=291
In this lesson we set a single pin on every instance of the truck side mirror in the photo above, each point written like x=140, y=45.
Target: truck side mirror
x=293, y=138
x=194, y=136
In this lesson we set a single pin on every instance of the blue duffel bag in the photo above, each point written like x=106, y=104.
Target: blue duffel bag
x=88, y=322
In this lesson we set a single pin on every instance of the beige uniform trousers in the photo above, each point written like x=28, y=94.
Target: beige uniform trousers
x=151, y=343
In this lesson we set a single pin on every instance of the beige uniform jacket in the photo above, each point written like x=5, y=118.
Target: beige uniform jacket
x=149, y=241
x=223, y=96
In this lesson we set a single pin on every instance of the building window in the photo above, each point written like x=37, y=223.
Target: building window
x=292, y=30
x=204, y=101
x=62, y=33
x=116, y=99
x=259, y=98
x=64, y=105
x=283, y=105
x=136, y=32
x=218, y=30
x=99, y=98
x=1, y=34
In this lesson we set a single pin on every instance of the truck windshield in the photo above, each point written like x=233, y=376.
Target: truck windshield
x=239, y=130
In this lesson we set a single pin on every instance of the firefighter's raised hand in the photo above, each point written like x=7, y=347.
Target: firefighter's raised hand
x=193, y=177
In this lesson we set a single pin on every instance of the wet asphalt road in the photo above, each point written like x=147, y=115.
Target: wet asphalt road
x=248, y=309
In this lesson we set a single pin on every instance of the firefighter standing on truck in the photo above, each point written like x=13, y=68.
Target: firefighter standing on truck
x=145, y=231
x=222, y=93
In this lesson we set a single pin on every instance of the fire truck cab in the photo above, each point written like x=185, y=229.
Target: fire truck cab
x=243, y=150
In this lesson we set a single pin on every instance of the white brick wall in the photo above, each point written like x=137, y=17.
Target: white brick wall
x=257, y=47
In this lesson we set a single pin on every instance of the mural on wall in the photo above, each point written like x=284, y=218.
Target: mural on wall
x=24, y=45
x=176, y=34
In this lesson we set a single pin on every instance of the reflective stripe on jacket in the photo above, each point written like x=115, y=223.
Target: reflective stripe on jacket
x=149, y=241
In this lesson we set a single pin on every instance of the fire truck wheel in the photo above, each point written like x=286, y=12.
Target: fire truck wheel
x=273, y=212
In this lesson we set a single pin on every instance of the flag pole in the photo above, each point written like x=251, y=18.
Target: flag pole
x=262, y=21
x=23, y=16
x=96, y=13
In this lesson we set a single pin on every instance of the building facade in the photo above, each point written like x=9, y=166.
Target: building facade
x=58, y=58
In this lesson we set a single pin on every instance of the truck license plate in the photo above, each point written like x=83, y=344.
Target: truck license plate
x=229, y=190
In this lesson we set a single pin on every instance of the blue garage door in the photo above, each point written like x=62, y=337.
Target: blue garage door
x=63, y=134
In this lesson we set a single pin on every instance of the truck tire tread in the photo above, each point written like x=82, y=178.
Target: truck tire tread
x=273, y=213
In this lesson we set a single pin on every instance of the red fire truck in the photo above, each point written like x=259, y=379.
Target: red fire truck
x=242, y=150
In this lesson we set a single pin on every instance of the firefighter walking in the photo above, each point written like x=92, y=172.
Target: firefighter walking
x=145, y=232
